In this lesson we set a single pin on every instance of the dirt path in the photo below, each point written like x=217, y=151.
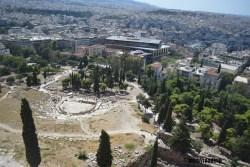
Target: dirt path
x=80, y=136
x=6, y=94
x=8, y=161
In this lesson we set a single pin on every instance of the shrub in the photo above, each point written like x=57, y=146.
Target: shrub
x=10, y=80
x=197, y=145
x=129, y=146
x=145, y=119
x=82, y=155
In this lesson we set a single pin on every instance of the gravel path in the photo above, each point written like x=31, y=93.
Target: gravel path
x=8, y=161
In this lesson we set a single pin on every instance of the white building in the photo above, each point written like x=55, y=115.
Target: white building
x=207, y=76
x=229, y=68
x=94, y=50
x=4, y=51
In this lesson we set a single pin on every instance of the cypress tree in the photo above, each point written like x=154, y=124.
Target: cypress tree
x=96, y=81
x=163, y=86
x=104, y=154
x=219, y=69
x=80, y=66
x=163, y=112
x=155, y=154
x=201, y=102
x=168, y=124
x=85, y=61
x=29, y=81
x=44, y=74
x=29, y=135
x=116, y=75
x=139, y=79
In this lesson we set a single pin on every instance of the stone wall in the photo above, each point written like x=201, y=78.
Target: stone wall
x=141, y=161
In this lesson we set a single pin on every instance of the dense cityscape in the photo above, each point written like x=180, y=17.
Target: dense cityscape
x=122, y=83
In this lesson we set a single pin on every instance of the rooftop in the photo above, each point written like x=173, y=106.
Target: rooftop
x=229, y=67
x=156, y=65
x=241, y=79
x=2, y=46
x=134, y=39
x=212, y=72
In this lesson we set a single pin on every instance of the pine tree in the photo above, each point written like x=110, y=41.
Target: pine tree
x=104, y=154
x=155, y=154
x=29, y=135
x=181, y=140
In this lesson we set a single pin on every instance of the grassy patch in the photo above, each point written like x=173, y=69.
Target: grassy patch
x=130, y=146
x=137, y=111
x=148, y=148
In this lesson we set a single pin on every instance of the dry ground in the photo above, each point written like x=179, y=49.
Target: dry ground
x=61, y=152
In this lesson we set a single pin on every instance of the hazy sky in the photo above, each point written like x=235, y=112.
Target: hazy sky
x=241, y=7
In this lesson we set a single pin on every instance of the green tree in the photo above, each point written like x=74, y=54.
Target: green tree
x=116, y=75
x=29, y=81
x=10, y=80
x=139, y=79
x=104, y=154
x=109, y=80
x=219, y=69
x=205, y=130
x=96, y=81
x=85, y=61
x=65, y=83
x=80, y=66
x=103, y=87
x=29, y=135
x=184, y=110
x=201, y=102
x=168, y=124
x=86, y=84
x=181, y=140
x=154, y=154
x=146, y=104
x=75, y=81
x=130, y=76
x=162, y=88
x=226, y=79
x=163, y=112
x=44, y=74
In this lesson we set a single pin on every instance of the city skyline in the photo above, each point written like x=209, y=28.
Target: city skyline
x=239, y=7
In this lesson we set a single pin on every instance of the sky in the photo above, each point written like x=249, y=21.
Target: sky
x=239, y=7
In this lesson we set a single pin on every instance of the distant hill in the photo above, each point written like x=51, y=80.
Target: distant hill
x=121, y=4
x=127, y=4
